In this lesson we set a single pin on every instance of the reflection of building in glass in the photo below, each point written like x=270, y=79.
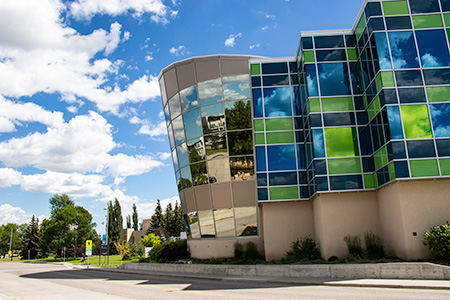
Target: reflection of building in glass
x=352, y=135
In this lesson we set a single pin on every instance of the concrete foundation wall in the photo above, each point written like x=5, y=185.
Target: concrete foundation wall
x=219, y=248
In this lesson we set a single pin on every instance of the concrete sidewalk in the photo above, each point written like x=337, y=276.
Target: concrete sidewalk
x=374, y=283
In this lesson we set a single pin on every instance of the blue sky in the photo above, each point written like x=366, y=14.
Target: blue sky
x=80, y=111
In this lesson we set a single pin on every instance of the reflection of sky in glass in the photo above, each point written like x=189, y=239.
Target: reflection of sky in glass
x=383, y=51
x=189, y=98
x=212, y=110
x=432, y=48
x=311, y=78
x=416, y=122
x=171, y=138
x=192, y=124
x=166, y=113
x=334, y=79
x=319, y=147
x=186, y=174
x=395, y=124
x=403, y=49
x=340, y=142
x=236, y=87
x=178, y=130
x=441, y=121
x=261, y=159
x=175, y=106
x=281, y=157
x=175, y=159
x=283, y=178
x=182, y=154
x=210, y=91
x=277, y=102
x=257, y=103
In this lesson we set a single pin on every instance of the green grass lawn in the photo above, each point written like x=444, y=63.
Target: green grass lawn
x=114, y=260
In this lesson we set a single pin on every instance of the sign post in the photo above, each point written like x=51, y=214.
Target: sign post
x=88, y=250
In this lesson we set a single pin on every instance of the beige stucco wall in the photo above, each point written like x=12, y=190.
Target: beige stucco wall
x=339, y=214
x=284, y=223
x=219, y=248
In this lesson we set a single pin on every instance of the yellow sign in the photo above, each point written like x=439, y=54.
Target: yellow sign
x=88, y=243
x=9, y=253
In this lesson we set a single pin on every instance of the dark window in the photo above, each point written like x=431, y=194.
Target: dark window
x=298, y=121
x=373, y=9
x=256, y=81
x=445, y=5
x=350, y=40
x=307, y=43
x=411, y=95
x=335, y=41
x=283, y=178
x=302, y=177
x=330, y=55
x=261, y=179
x=304, y=193
x=362, y=118
x=383, y=175
x=262, y=194
x=389, y=95
x=408, y=78
x=339, y=119
x=320, y=165
x=424, y=6
x=398, y=150
x=443, y=147
x=401, y=169
x=316, y=120
x=437, y=76
x=365, y=141
x=299, y=137
x=368, y=164
x=293, y=67
x=240, y=142
x=348, y=182
x=394, y=23
x=359, y=103
x=418, y=149
x=274, y=68
x=294, y=79
x=377, y=24
x=334, y=79
x=276, y=80
x=322, y=183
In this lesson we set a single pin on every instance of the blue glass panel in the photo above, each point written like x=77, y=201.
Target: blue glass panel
x=433, y=48
x=368, y=164
x=445, y=5
x=383, y=51
x=257, y=103
x=339, y=119
x=316, y=120
x=350, y=40
x=236, y=87
x=331, y=55
x=261, y=179
x=322, y=183
x=311, y=77
x=276, y=80
x=347, y=182
x=436, y=76
x=281, y=157
x=261, y=158
x=293, y=67
x=320, y=166
x=403, y=49
x=301, y=156
x=189, y=98
x=334, y=41
x=277, y=102
x=192, y=124
x=274, y=68
x=440, y=116
x=182, y=154
x=186, y=177
x=390, y=96
x=421, y=148
x=319, y=146
x=383, y=175
x=334, y=79
x=307, y=43
x=373, y=9
x=256, y=81
x=297, y=101
x=424, y=6
x=443, y=147
x=167, y=114
x=395, y=123
x=398, y=150
x=262, y=194
x=377, y=24
x=395, y=23
x=401, y=169
x=283, y=178
x=411, y=95
x=408, y=77
x=178, y=130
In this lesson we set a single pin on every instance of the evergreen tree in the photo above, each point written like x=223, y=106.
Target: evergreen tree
x=59, y=201
x=135, y=218
x=115, y=222
x=157, y=220
x=128, y=221
x=169, y=220
x=31, y=239
x=179, y=222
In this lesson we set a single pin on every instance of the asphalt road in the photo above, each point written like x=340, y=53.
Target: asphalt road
x=50, y=281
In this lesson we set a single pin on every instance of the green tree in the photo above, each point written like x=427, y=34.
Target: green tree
x=5, y=236
x=115, y=222
x=31, y=239
x=157, y=220
x=135, y=218
x=150, y=240
x=239, y=116
x=179, y=222
x=128, y=221
x=169, y=220
x=59, y=201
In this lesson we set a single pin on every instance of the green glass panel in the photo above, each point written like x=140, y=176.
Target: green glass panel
x=445, y=166
x=427, y=21
x=447, y=20
x=374, y=108
x=351, y=54
x=381, y=158
x=361, y=25
x=395, y=8
x=387, y=79
x=344, y=166
x=416, y=121
x=337, y=104
x=259, y=125
x=256, y=69
x=370, y=181
x=365, y=100
x=341, y=142
x=379, y=83
x=423, y=168
x=309, y=56
x=283, y=193
x=314, y=105
x=392, y=170
x=279, y=124
x=280, y=137
x=438, y=93
x=259, y=139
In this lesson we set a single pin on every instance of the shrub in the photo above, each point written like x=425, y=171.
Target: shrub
x=374, y=246
x=150, y=240
x=354, y=246
x=169, y=251
x=438, y=239
x=303, y=249
x=251, y=251
x=156, y=251
x=123, y=248
x=238, y=251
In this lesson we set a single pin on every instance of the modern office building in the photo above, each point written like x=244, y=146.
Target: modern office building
x=352, y=135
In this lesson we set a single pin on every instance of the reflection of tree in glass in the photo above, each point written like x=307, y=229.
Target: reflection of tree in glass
x=240, y=142
x=199, y=176
x=194, y=156
x=239, y=116
x=184, y=183
x=214, y=144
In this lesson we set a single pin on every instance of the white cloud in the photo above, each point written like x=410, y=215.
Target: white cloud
x=9, y=177
x=269, y=16
x=231, y=40
x=254, y=46
x=124, y=165
x=148, y=57
x=6, y=125
x=149, y=128
x=180, y=50
x=11, y=214
x=264, y=28
x=86, y=9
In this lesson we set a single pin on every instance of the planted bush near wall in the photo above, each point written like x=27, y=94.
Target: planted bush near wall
x=304, y=249
x=169, y=251
x=438, y=239
x=354, y=246
x=247, y=252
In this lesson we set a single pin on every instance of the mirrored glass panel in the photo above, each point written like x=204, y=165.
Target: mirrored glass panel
x=218, y=170
x=236, y=87
x=238, y=114
x=215, y=145
x=384, y=58
x=281, y=157
x=334, y=79
x=175, y=106
x=246, y=221
x=193, y=224
x=395, y=123
x=206, y=219
x=277, y=102
x=186, y=178
x=224, y=222
x=441, y=121
x=171, y=137
x=257, y=103
x=192, y=124
x=403, y=49
x=178, y=178
x=311, y=78
x=242, y=168
x=283, y=178
x=261, y=158
x=424, y=6
x=433, y=48
x=196, y=150
x=346, y=182
x=189, y=98
x=178, y=130
x=213, y=118
x=199, y=175
x=182, y=155
x=210, y=91
x=240, y=142
x=175, y=159
x=167, y=114
x=319, y=146
x=421, y=148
